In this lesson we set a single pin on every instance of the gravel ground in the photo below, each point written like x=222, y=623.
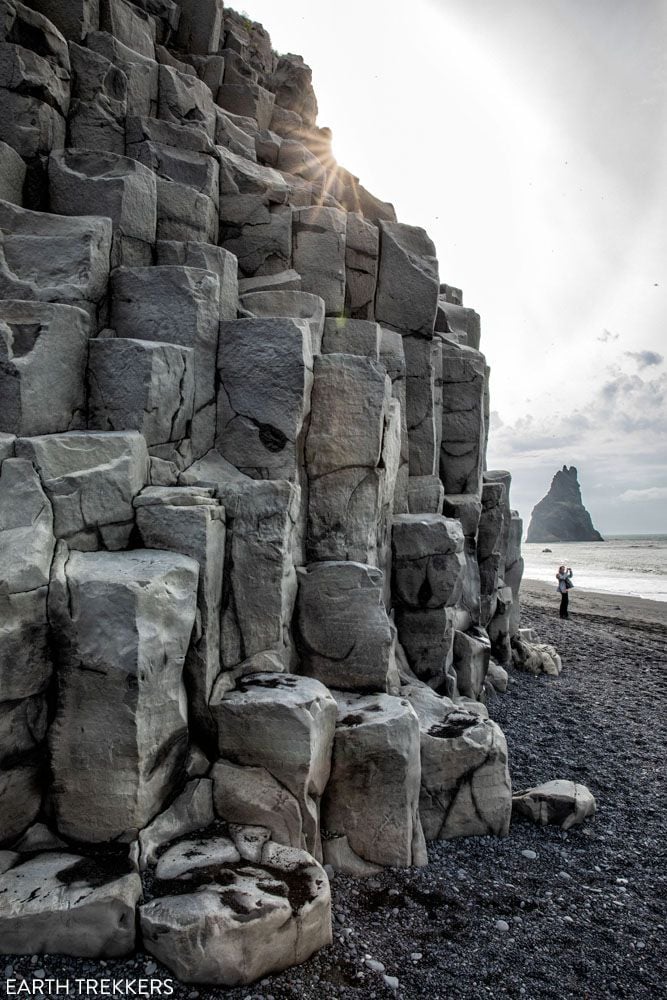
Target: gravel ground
x=540, y=914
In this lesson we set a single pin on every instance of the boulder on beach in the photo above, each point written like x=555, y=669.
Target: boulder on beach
x=561, y=802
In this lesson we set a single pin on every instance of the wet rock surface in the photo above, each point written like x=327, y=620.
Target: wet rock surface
x=494, y=917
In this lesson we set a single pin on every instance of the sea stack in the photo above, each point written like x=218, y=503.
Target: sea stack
x=561, y=516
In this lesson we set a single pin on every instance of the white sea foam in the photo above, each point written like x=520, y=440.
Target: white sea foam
x=634, y=565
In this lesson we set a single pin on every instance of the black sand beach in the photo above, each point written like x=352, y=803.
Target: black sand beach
x=587, y=915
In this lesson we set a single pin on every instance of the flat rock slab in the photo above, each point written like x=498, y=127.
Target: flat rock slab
x=230, y=923
x=565, y=803
x=60, y=903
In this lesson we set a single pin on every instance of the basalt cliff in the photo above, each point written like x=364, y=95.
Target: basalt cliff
x=253, y=573
x=561, y=516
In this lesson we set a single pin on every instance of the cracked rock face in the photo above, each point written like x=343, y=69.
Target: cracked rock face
x=465, y=782
x=43, y=349
x=286, y=725
x=350, y=648
x=59, y=903
x=91, y=480
x=124, y=622
x=266, y=377
x=373, y=795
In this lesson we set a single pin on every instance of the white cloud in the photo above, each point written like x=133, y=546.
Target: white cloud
x=649, y=494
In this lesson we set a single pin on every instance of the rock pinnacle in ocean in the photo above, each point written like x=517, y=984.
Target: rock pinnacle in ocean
x=561, y=516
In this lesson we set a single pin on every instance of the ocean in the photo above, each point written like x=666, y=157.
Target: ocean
x=634, y=565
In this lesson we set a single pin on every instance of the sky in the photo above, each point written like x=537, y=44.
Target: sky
x=529, y=138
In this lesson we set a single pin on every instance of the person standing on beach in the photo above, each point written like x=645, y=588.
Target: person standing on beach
x=564, y=577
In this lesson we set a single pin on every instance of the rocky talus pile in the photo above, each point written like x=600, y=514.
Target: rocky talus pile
x=252, y=571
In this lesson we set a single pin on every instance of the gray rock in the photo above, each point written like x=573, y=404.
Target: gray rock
x=52, y=258
x=427, y=637
x=193, y=855
x=282, y=281
x=191, y=811
x=459, y=323
x=340, y=857
x=466, y=789
x=247, y=99
x=231, y=136
x=59, y=903
x=319, y=254
x=342, y=629
x=425, y=495
x=255, y=222
x=98, y=106
x=284, y=724
x=499, y=626
x=466, y=508
x=212, y=470
x=352, y=336
x=207, y=937
x=12, y=175
x=258, y=597
x=43, y=349
x=287, y=303
x=200, y=26
x=207, y=258
x=185, y=99
x=82, y=182
x=115, y=682
x=130, y=25
x=427, y=560
x=392, y=356
x=74, y=18
x=26, y=524
x=141, y=72
x=463, y=425
x=562, y=802
x=373, y=794
x=535, y=657
x=498, y=677
x=252, y=796
x=155, y=395
x=91, y=480
x=350, y=408
x=43, y=131
x=407, y=287
x=265, y=374
x=422, y=360
x=472, y=664
x=179, y=305
x=199, y=532
x=362, y=248
x=27, y=72
x=292, y=82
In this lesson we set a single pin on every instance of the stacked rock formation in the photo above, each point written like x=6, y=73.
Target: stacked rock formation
x=252, y=570
x=560, y=516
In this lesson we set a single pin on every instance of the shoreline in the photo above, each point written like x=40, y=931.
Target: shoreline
x=595, y=605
